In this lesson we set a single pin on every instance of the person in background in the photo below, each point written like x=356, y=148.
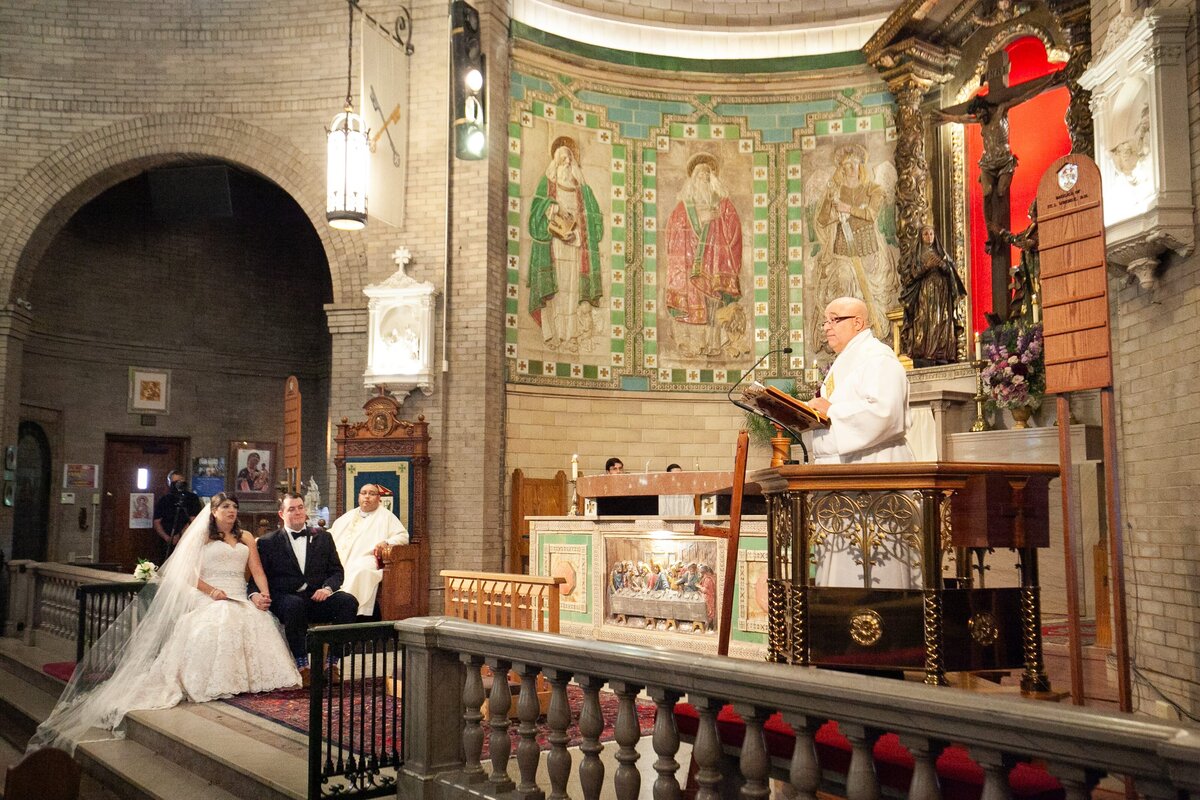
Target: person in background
x=174, y=511
x=614, y=466
x=361, y=536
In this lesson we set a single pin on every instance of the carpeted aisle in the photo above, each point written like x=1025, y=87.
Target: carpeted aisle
x=289, y=707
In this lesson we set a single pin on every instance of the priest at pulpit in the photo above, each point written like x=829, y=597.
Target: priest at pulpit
x=865, y=396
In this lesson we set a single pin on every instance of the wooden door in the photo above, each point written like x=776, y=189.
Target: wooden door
x=135, y=465
x=532, y=497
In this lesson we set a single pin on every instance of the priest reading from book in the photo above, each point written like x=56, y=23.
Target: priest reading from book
x=360, y=535
x=865, y=396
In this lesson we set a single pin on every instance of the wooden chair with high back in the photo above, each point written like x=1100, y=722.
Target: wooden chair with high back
x=46, y=774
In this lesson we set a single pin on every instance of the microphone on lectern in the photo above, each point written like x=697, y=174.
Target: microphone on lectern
x=755, y=411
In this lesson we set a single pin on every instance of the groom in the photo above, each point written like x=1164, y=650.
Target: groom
x=304, y=575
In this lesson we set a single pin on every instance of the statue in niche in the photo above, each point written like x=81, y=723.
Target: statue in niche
x=930, y=299
x=1130, y=153
x=566, y=226
x=704, y=266
x=855, y=259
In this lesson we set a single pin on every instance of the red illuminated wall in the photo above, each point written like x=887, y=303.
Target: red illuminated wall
x=1038, y=135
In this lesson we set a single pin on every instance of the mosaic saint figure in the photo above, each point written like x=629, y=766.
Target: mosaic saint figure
x=566, y=226
x=932, y=289
x=855, y=259
x=704, y=266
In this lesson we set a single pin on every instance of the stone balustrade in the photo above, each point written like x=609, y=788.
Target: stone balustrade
x=443, y=734
x=43, y=609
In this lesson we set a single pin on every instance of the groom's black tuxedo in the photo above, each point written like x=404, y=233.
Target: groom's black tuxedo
x=322, y=567
x=293, y=606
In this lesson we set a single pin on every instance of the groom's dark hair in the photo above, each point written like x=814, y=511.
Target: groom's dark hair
x=283, y=498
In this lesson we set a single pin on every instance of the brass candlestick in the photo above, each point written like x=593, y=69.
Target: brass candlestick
x=981, y=423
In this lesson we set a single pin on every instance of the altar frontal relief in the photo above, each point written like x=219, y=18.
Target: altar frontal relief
x=662, y=584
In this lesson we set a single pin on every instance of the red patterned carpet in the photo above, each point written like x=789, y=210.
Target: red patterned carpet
x=289, y=707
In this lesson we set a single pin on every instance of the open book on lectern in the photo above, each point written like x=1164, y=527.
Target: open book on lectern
x=783, y=409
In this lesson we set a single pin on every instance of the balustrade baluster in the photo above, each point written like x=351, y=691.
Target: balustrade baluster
x=755, y=763
x=804, y=772
x=527, y=748
x=666, y=743
x=707, y=750
x=591, y=724
x=995, y=773
x=1077, y=782
x=861, y=781
x=472, y=715
x=499, y=745
x=924, y=784
x=558, y=718
x=627, y=780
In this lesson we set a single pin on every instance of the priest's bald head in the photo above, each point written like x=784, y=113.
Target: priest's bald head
x=845, y=318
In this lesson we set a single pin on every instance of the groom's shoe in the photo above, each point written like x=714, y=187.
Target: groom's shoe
x=305, y=677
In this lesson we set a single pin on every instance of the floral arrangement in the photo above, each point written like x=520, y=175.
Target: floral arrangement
x=1016, y=366
x=145, y=570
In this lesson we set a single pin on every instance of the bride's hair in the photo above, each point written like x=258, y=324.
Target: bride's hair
x=214, y=533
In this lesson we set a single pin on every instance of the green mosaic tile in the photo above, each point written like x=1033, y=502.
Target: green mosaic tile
x=762, y=295
x=620, y=115
x=678, y=376
x=511, y=335
x=535, y=367
x=795, y=156
x=590, y=372
x=650, y=237
x=706, y=376
x=635, y=383
x=650, y=347
x=514, y=248
x=562, y=370
x=618, y=289
x=620, y=151
x=636, y=131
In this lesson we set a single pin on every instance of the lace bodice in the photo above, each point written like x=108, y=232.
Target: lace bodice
x=224, y=567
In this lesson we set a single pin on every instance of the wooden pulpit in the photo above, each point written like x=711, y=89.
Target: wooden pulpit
x=921, y=513
x=392, y=452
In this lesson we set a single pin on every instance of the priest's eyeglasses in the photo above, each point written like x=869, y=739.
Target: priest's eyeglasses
x=831, y=321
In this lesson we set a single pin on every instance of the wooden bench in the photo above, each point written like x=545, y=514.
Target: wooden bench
x=521, y=602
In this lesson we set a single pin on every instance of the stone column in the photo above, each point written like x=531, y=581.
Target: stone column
x=347, y=361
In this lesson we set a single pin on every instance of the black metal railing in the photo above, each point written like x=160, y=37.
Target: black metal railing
x=356, y=727
x=99, y=605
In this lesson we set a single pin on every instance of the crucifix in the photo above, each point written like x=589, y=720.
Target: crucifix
x=997, y=164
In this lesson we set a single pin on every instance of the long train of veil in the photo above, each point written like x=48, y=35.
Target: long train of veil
x=118, y=674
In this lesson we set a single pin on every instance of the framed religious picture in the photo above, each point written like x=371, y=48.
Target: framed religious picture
x=141, y=510
x=252, y=468
x=149, y=391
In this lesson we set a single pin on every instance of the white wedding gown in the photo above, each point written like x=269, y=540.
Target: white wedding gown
x=221, y=647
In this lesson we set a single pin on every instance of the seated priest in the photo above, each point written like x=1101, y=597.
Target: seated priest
x=865, y=396
x=361, y=535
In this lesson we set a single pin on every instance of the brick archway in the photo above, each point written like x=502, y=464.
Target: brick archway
x=47, y=196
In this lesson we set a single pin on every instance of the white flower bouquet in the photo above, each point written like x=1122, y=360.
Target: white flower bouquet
x=145, y=570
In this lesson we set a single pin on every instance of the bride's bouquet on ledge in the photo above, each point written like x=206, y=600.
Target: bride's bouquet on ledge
x=145, y=570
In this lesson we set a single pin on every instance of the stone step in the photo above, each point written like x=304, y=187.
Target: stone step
x=22, y=704
x=248, y=757
x=132, y=771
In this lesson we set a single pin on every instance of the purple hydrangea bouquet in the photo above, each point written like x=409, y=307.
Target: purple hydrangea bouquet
x=1016, y=366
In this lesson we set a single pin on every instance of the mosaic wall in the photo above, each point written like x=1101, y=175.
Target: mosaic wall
x=666, y=242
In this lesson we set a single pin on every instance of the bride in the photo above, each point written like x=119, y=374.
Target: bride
x=191, y=634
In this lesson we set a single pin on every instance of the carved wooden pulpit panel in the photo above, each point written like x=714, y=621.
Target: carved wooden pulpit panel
x=392, y=452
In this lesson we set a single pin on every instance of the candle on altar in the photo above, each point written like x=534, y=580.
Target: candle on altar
x=1036, y=308
x=575, y=467
x=978, y=348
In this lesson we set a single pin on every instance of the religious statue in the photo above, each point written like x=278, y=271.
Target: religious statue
x=566, y=225
x=1025, y=276
x=704, y=266
x=932, y=289
x=312, y=497
x=990, y=112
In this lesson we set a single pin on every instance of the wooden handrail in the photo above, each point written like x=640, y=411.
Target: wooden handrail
x=525, y=602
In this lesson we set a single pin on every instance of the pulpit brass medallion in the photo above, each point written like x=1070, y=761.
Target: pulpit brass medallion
x=983, y=628
x=866, y=627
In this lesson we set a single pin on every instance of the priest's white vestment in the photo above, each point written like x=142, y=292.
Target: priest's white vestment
x=867, y=389
x=355, y=535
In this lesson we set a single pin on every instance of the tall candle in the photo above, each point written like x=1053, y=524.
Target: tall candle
x=575, y=467
x=1037, y=309
x=978, y=348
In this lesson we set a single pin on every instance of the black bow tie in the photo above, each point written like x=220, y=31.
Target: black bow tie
x=299, y=534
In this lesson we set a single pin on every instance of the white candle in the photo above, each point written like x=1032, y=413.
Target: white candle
x=575, y=467
x=978, y=348
x=1037, y=309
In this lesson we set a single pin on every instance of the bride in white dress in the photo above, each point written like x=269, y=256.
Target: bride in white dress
x=198, y=639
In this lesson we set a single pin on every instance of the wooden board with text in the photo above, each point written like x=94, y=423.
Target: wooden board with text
x=1074, y=280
